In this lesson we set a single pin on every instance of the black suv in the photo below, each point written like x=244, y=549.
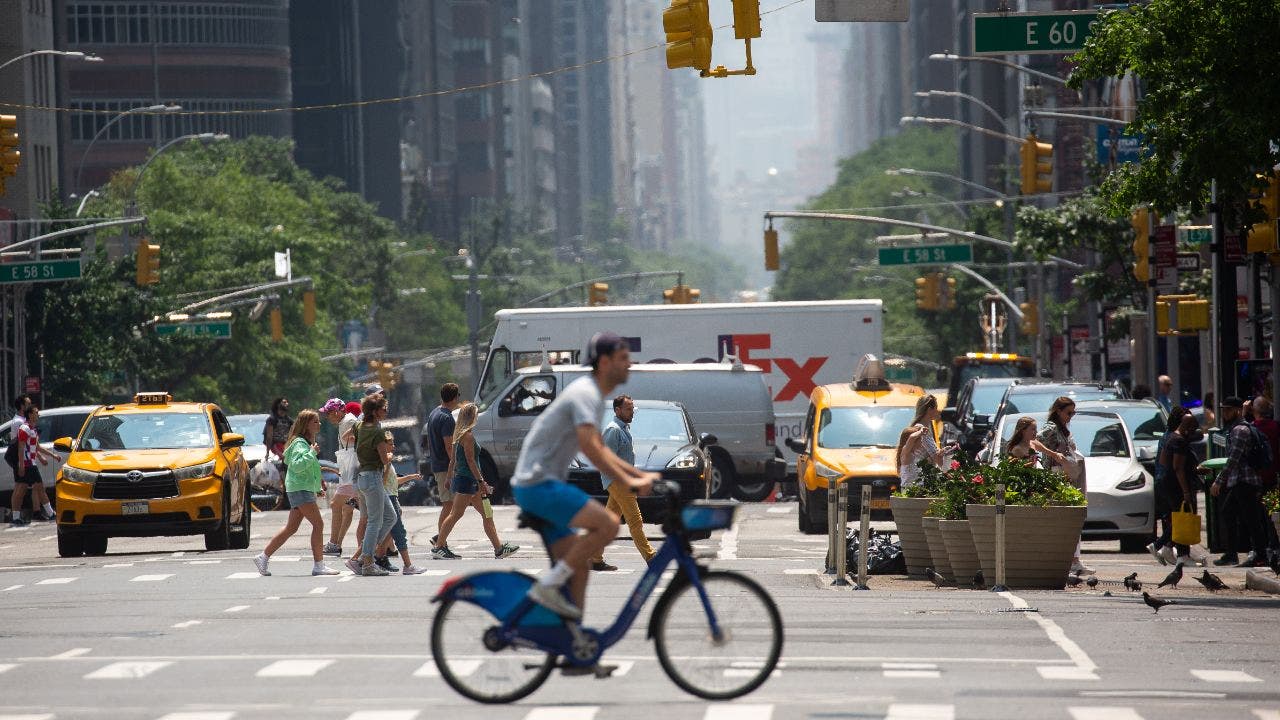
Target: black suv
x=971, y=419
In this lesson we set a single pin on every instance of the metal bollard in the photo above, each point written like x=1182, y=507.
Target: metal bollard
x=999, y=586
x=831, y=526
x=864, y=536
x=842, y=534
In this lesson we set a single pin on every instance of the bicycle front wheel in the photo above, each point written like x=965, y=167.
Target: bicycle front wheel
x=484, y=675
x=731, y=663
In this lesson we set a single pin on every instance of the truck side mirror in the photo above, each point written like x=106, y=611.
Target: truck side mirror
x=795, y=444
x=949, y=415
x=981, y=422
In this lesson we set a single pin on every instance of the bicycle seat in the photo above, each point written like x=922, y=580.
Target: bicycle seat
x=531, y=521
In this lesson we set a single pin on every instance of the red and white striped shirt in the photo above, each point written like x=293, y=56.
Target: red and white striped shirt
x=29, y=438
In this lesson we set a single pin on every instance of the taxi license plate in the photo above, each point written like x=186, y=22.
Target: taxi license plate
x=135, y=508
x=879, y=503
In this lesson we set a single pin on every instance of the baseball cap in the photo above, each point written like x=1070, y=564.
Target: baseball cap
x=603, y=343
x=372, y=389
x=353, y=408
x=333, y=405
x=1233, y=402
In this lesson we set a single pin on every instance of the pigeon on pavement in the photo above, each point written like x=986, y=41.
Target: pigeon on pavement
x=1131, y=582
x=1155, y=603
x=1172, y=578
x=1074, y=580
x=979, y=581
x=933, y=575
x=1211, y=582
x=1092, y=582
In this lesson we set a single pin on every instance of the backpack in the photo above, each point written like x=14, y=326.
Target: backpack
x=1258, y=456
x=11, y=454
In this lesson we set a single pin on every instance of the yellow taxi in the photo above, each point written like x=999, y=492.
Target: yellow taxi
x=153, y=467
x=851, y=435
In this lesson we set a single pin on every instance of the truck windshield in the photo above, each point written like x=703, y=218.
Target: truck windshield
x=497, y=371
x=876, y=426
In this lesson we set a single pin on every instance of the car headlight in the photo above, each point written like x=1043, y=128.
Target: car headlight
x=1134, y=483
x=683, y=461
x=191, y=472
x=77, y=475
x=826, y=471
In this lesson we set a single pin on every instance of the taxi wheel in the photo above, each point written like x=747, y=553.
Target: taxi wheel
x=240, y=536
x=95, y=544
x=220, y=537
x=69, y=544
x=723, y=476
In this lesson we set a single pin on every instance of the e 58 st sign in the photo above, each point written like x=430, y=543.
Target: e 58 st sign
x=1031, y=33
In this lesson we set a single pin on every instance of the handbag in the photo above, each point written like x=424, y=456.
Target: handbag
x=1186, y=526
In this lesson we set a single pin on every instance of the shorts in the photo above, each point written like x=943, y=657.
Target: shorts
x=347, y=490
x=298, y=498
x=31, y=478
x=464, y=485
x=554, y=501
x=442, y=486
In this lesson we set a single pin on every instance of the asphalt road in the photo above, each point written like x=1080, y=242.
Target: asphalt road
x=161, y=629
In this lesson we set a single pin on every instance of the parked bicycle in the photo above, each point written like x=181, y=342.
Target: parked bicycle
x=717, y=634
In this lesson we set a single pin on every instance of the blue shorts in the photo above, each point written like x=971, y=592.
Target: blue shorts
x=464, y=485
x=298, y=498
x=554, y=501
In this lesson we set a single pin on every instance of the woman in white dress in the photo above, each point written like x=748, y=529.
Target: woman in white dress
x=916, y=443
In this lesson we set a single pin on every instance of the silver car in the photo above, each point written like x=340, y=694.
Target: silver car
x=1120, y=491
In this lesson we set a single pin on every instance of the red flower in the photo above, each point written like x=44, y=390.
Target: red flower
x=955, y=464
x=977, y=479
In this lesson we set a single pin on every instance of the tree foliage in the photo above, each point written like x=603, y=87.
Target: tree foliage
x=1208, y=70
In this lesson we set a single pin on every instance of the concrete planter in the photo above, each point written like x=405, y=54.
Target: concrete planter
x=937, y=547
x=907, y=514
x=961, y=551
x=1039, y=543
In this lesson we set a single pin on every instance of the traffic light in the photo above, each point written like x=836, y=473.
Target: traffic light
x=1262, y=236
x=1030, y=318
x=1193, y=315
x=692, y=295
x=927, y=291
x=148, y=263
x=947, y=293
x=746, y=19
x=771, y=249
x=277, y=325
x=385, y=370
x=1141, y=220
x=598, y=294
x=1037, y=166
x=10, y=157
x=309, y=308
x=688, y=27
x=681, y=295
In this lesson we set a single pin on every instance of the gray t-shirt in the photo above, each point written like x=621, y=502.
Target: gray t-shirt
x=553, y=440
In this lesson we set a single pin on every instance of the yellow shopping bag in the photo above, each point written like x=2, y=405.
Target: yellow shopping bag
x=1186, y=526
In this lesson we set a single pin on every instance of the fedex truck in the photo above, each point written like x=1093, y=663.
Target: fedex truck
x=797, y=345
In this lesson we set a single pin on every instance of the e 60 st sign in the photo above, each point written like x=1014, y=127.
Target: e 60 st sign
x=1031, y=33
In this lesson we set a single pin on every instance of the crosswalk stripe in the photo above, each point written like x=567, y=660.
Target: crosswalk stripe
x=6, y=667
x=1266, y=714
x=204, y=562
x=383, y=715
x=12, y=587
x=437, y=573
x=900, y=711
x=207, y=715
x=294, y=668
x=56, y=581
x=320, y=590
x=1066, y=672
x=738, y=712
x=128, y=669
x=781, y=509
x=624, y=667
x=563, y=712
x=73, y=652
x=236, y=608
x=910, y=670
x=187, y=623
x=1233, y=676
x=244, y=575
x=41, y=716
x=151, y=578
x=117, y=565
x=1103, y=712
x=461, y=668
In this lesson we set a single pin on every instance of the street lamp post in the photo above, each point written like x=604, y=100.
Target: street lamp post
x=87, y=57
x=137, y=182
x=113, y=121
x=964, y=96
x=952, y=57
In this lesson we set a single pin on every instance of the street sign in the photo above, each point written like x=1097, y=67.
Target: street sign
x=39, y=271
x=1232, y=248
x=1165, y=245
x=1188, y=262
x=217, y=329
x=1038, y=33
x=1127, y=148
x=926, y=255
x=31, y=384
x=1195, y=234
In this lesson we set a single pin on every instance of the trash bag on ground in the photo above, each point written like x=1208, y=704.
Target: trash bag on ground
x=884, y=555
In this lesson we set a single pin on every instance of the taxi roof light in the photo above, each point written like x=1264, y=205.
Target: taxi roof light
x=153, y=398
x=870, y=375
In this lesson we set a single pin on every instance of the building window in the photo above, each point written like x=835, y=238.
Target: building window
x=132, y=23
x=141, y=127
x=474, y=156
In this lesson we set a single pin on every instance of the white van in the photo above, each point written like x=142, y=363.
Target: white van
x=54, y=423
x=728, y=400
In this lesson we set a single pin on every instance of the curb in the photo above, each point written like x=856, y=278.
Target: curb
x=1254, y=580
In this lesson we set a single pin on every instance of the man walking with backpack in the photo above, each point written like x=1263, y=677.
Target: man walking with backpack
x=1239, y=486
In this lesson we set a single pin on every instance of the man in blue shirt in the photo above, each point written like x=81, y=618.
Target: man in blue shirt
x=622, y=501
x=439, y=441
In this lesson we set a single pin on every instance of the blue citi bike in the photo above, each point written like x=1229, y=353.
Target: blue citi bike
x=717, y=634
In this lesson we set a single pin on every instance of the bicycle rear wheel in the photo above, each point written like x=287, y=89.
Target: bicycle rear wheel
x=458, y=647
x=724, y=667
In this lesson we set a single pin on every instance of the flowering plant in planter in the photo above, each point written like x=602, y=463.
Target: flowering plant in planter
x=1271, y=501
x=967, y=483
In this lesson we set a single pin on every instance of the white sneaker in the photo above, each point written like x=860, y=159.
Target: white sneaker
x=1080, y=568
x=261, y=561
x=550, y=597
x=324, y=570
x=411, y=570
x=1155, y=553
x=1167, y=556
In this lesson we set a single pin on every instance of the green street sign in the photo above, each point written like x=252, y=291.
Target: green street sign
x=39, y=271
x=1195, y=234
x=217, y=329
x=1039, y=33
x=926, y=254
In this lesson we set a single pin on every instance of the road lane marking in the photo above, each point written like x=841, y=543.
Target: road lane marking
x=72, y=653
x=910, y=670
x=320, y=590
x=244, y=575
x=293, y=668
x=1086, y=668
x=1066, y=672
x=117, y=565
x=126, y=670
x=738, y=712
x=6, y=667
x=42, y=716
x=46, y=538
x=57, y=581
x=12, y=587
x=151, y=578
x=437, y=573
x=901, y=711
x=780, y=510
x=563, y=712
x=729, y=543
x=203, y=562
x=1104, y=713
x=1267, y=714
x=748, y=672
x=801, y=571
x=272, y=597
x=180, y=553
x=383, y=715
x=461, y=668
x=1177, y=694
x=187, y=623
x=1232, y=676
x=236, y=608
x=209, y=715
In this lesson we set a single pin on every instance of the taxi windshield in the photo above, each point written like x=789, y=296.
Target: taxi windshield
x=147, y=431
x=872, y=426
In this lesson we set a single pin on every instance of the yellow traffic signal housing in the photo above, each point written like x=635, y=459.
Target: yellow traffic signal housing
x=692, y=295
x=10, y=157
x=927, y=290
x=771, y=249
x=669, y=296
x=1037, y=166
x=1030, y=318
x=947, y=288
x=1262, y=237
x=1162, y=318
x=687, y=24
x=746, y=19
x=277, y=325
x=681, y=294
x=148, y=264
x=598, y=294
x=385, y=370
x=1141, y=220
x=1193, y=315
x=309, y=308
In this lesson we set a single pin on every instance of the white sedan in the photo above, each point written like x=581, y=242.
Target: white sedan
x=1121, y=492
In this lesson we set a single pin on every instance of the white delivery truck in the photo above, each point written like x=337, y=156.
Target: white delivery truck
x=798, y=346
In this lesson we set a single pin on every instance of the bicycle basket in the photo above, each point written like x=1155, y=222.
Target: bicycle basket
x=704, y=515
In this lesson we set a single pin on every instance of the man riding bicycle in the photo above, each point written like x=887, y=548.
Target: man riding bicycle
x=540, y=482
